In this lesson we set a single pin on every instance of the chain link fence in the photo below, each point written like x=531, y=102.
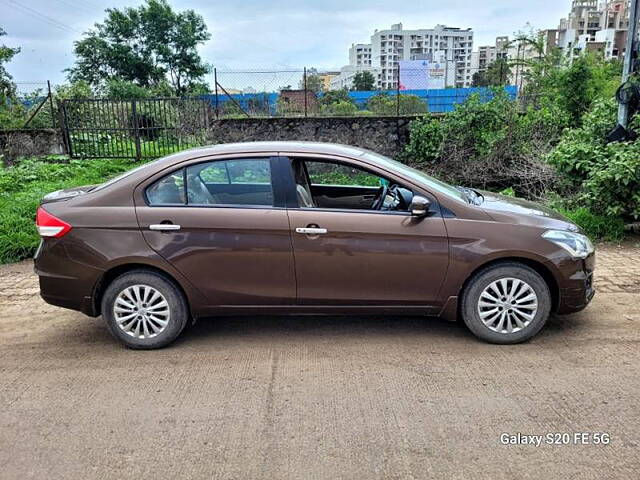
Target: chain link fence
x=31, y=106
x=395, y=91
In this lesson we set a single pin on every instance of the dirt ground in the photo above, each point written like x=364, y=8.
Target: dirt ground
x=326, y=398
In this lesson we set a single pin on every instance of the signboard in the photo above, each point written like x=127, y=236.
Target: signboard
x=421, y=75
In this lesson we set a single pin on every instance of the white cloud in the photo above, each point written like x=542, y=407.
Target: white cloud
x=259, y=33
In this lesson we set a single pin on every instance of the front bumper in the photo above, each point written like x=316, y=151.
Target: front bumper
x=578, y=290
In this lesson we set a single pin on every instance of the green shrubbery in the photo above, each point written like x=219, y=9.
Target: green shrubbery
x=489, y=145
x=24, y=184
x=604, y=177
x=554, y=149
x=384, y=104
x=596, y=226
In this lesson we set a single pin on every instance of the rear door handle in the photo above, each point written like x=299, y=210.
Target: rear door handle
x=311, y=231
x=164, y=227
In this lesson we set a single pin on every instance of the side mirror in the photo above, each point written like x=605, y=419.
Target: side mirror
x=419, y=206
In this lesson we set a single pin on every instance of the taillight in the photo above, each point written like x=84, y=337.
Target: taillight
x=50, y=226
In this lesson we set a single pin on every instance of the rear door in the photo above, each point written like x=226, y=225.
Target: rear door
x=364, y=256
x=222, y=224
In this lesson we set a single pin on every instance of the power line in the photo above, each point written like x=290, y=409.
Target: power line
x=41, y=16
x=81, y=5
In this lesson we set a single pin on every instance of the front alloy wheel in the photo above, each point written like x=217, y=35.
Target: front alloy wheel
x=507, y=302
x=507, y=305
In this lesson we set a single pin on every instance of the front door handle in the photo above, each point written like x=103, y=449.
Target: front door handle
x=311, y=230
x=164, y=227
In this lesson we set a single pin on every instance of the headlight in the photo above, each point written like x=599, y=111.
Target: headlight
x=579, y=246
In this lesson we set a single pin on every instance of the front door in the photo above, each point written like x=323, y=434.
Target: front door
x=221, y=224
x=373, y=254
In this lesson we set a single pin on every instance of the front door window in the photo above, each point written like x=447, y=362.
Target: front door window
x=342, y=186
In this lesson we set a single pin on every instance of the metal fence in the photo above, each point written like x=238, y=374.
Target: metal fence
x=307, y=92
x=144, y=128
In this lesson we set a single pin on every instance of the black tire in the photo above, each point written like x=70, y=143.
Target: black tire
x=177, y=304
x=484, y=278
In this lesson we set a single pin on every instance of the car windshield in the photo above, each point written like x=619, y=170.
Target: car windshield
x=420, y=177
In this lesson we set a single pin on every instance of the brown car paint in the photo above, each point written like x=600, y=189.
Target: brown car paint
x=250, y=260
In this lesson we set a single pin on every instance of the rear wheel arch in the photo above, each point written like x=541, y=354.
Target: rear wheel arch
x=539, y=267
x=118, y=270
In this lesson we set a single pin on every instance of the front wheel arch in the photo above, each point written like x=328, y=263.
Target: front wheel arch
x=539, y=267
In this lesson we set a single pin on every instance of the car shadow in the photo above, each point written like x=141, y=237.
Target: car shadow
x=318, y=326
x=265, y=331
x=301, y=328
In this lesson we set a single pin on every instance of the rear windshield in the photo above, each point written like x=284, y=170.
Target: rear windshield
x=127, y=173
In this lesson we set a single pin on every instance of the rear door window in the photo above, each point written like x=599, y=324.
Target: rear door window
x=230, y=182
x=168, y=190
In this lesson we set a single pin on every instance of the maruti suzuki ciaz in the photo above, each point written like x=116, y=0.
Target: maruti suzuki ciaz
x=296, y=228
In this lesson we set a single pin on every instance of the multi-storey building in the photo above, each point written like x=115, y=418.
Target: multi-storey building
x=326, y=78
x=487, y=54
x=592, y=26
x=449, y=46
x=615, y=24
x=360, y=55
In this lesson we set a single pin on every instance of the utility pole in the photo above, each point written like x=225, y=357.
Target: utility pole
x=629, y=57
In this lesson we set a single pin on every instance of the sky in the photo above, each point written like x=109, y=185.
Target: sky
x=262, y=34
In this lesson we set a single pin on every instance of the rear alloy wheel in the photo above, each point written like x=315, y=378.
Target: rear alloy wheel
x=141, y=311
x=506, y=303
x=144, y=310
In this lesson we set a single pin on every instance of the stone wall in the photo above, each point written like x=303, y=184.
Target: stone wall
x=28, y=143
x=386, y=135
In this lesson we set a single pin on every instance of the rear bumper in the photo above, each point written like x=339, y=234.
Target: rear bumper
x=50, y=293
x=65, y=282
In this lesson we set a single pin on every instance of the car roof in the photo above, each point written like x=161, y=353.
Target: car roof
x=134, y=176
x=280, y=146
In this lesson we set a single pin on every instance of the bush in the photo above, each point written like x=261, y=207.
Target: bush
x=340, y=109
x=488, y=145
x=333, y=97
x=604, y=177
x=384, y=104
x=597, y=227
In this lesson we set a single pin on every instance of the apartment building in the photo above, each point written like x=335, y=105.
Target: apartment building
x=487, y=54
x=594, y=26
x=483, y=57
x=360, y=55
x=326, y=78
x=449, y=46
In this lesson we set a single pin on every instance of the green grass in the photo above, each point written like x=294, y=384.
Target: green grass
x=23, y=185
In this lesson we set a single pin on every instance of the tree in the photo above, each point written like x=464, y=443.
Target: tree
x=335, y=96
x=314, y=82
x=496, y=74
x=144, y=45
x=340, y=109
x=7, y=87
x=363, y=81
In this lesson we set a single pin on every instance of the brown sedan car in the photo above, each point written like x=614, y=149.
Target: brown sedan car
x=296, y=227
